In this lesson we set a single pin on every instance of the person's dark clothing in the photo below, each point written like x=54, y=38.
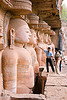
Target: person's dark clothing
x=48, y=60
x=60, y=66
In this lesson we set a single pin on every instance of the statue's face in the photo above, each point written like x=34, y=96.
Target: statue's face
x=33, y=37
x=41, y=36
x=22, y=31
x=49, y=40
x=23, y=34
x=46, y=38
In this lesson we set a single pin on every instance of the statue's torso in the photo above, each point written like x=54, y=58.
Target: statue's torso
x=41, y=55
x=20, y=59
x=32, y=52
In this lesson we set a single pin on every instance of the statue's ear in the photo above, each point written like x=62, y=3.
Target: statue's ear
x=12, y=38
x=38, y=34
x=12, y=32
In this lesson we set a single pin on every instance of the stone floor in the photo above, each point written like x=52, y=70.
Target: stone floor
x=56, y=86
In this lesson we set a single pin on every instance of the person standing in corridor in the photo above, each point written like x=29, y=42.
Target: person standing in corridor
x=49, y=57
x=57, y=60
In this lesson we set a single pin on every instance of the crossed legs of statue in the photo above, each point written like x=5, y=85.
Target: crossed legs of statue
x=48, y=60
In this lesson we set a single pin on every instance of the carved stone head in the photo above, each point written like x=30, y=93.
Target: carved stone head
x=49, y=39
x=22, y=31
x=41, y=36
x=33, y=39
x=46, y=38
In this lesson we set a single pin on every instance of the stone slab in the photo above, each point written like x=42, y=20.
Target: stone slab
x=57, y=80
x=56, y=93
x=24, y=96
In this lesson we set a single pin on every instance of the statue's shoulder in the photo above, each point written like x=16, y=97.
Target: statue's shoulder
x=9, y=52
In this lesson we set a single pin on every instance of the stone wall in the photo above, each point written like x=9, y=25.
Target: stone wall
x=64, y=30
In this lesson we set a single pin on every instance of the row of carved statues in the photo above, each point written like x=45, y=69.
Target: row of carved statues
x=22, y=34
x=22, y=58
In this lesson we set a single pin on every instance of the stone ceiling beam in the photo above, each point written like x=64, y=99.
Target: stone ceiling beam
x=17, y=7
x=47, y=11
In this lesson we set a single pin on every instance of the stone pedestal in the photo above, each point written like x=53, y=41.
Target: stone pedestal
x=28, y=97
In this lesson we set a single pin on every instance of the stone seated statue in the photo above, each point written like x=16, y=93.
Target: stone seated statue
x=50, y=44
x=17, y=69
x=31, y=48
x=41, y=55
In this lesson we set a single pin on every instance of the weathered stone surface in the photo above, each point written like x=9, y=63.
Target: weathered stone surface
x=43, y=26
x=28, y=97
x=5, y=98
x=17, y=66
x=2, y=13
x=34, y=19
x=50, y=32
x=41, y=56
x=55, y=38
x=30, y=48
x=7, y=17
x=41, y=7
x=56, y=93
x=64, y=32
x=56, y=86
x=17, y=7
x=18, y=75
x=56, y=80
x=1, y=84
x=11, y=96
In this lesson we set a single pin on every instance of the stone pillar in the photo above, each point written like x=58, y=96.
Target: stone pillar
x=1, y=33
x=60, y=44
x=5, y=28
